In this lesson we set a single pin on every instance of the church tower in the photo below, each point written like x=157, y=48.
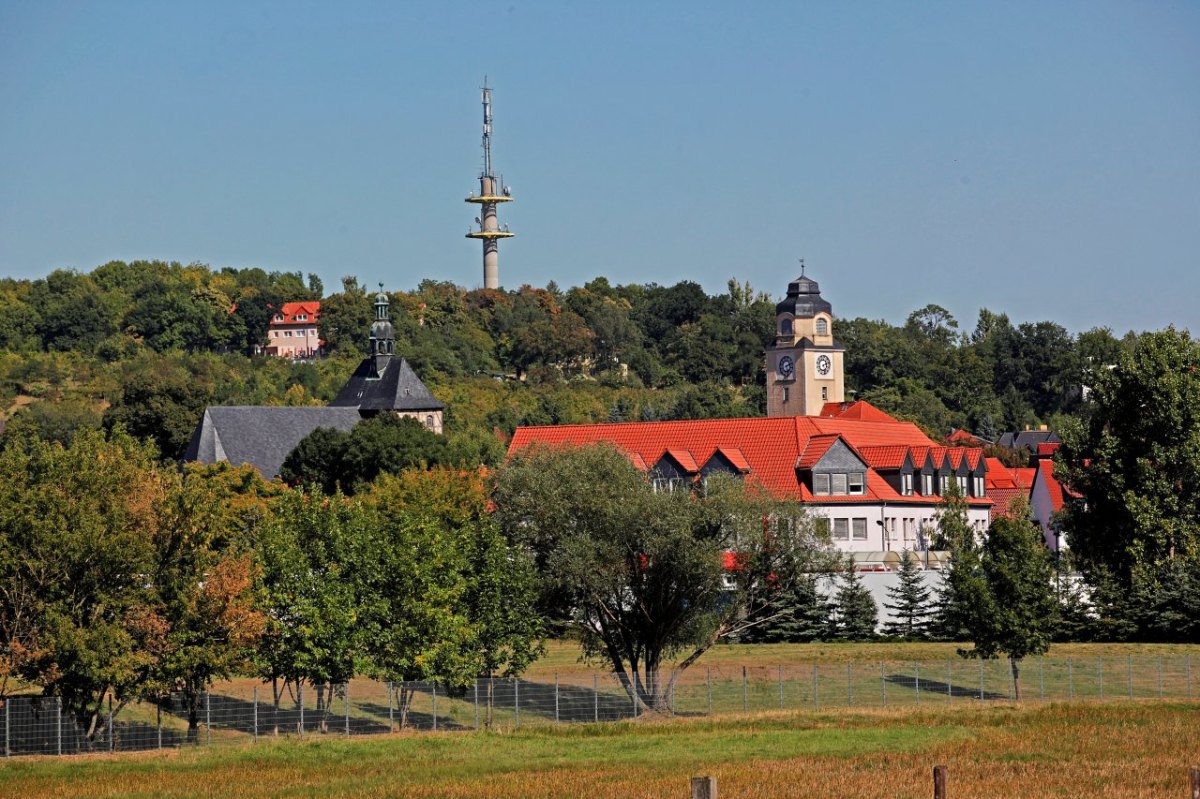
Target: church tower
x=804, y=365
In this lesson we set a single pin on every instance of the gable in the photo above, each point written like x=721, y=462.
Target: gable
x=839, y=458
x=261, y=436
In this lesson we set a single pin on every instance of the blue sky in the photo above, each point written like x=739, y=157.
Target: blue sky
x=1037, y=158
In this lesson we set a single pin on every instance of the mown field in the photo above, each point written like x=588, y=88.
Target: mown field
x=1113, y=750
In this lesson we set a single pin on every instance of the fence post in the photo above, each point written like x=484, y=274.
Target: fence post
x=708, y=682
x=112, y=744
x=1070, y=680
x=849, y=686
x=816, y=695
x=949, y=682
x=671, y=698
x=981, y=681
x=1160, y=680
x=1187, y=660
x=1195, y=780
x=745, y=696
x=256, y=714
x=58, y=721
x=8, y=723
x=517, y=701
x=883, y=683
x=556, y=697
x=208, y=717
x=1042, y=678
x=1129, y=673
x=704, y=788
x=939, y=782
x=476, y=705
x=392, y=715
x=1100, y=675
x=917, y=680
x=301, y=692
x=781, y=687
x=595, y=696
x=346, y=699
x=633, y=692
x=158, y=720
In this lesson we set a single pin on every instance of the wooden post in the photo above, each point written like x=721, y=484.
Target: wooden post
x=1195, y=773
x=939, y=782
x=704, y=788
x=745, y=695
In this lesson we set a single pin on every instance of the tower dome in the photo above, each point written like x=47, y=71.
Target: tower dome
x=804, y=299
x=383, y=335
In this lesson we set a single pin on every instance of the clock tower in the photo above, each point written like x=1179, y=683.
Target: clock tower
x=804, y=365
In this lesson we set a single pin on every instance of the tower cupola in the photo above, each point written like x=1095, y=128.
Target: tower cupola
x=383, y=335
x=804, y=299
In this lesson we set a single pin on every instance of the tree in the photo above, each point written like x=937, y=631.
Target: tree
x=384, y=444
x=161, y=403
x=799, y=615
x=1134, y=461
x=1017, y=614
x=856, y=613
x=77, y=531
x=962, y=581
x=911, y=597
x=637, y=573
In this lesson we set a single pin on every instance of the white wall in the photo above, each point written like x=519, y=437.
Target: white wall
x=905, y=526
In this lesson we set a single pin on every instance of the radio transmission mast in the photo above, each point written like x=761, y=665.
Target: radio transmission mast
x=491, y=194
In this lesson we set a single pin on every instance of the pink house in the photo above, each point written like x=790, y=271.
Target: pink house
x=292, y=332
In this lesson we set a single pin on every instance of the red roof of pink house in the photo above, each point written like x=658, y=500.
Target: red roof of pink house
x=1003, y=486
x=290, y=310
x=770, y=449
x=962, y=438
x=1056, y=489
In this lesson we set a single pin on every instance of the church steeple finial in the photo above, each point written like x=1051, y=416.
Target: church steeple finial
x=801, y=267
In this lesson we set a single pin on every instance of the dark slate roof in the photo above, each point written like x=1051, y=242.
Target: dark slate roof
x=804, y=299
x=260, y=436
x=1029, y=439
x=398, y=389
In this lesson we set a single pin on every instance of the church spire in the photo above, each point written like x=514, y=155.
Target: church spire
x=383, y=335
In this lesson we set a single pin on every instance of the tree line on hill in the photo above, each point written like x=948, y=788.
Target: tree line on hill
x=153, y=342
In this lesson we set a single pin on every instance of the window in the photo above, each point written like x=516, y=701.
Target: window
x=666, y=483
x=822, y=327
x=860, y=529
x=962, y=485
x=979, y=487
x=785, y=327
x=824, y=394
x=857, y=483
x=822, y=526
x=906, y=484
x=301, y=317
x=841, y=529
x=429, y=421
x=927, y=484
x=943, y=483
x=278, y=317
x=786, y=393
x=287, y=334
x=838, y=483
x=821, y=484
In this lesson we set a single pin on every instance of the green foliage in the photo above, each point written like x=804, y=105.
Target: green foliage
x=1135, y=461
x=638, y=573
x=794, y=616
x=911, y=598
x=384, y=444
x=1016, y=614
x=855, y=615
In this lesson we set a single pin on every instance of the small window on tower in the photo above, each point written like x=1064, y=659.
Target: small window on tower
x=785, y=327
x=786, y=393
x=822, y=327
x=824, y=394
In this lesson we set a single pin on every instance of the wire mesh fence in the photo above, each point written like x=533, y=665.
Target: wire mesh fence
x=243, y=711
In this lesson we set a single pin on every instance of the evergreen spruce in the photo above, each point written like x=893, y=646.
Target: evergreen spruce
x=794, y=616
x=911, y=609
x=857, y=614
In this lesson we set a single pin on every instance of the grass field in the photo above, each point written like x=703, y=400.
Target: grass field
x=1098, y=749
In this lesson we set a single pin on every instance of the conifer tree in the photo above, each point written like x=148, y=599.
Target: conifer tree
x=797, y=615
x=911, y=608
x=857, y=614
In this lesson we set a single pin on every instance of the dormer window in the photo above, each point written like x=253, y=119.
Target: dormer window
x=856, y=483
x=822, y=326
x=278, y=317
x=906, y=484
x=821, y=485
x=302, y=317
x=927, y=484
x=978, y=486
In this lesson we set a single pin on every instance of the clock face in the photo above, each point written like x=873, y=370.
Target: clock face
x=823, y=364
x=787, y=367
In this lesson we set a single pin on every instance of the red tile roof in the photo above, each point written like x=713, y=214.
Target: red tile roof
x=290, y=310
x=861, y=410
x=962, y=438
x=770, y=448
x=684, y=459
x=887, y=456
